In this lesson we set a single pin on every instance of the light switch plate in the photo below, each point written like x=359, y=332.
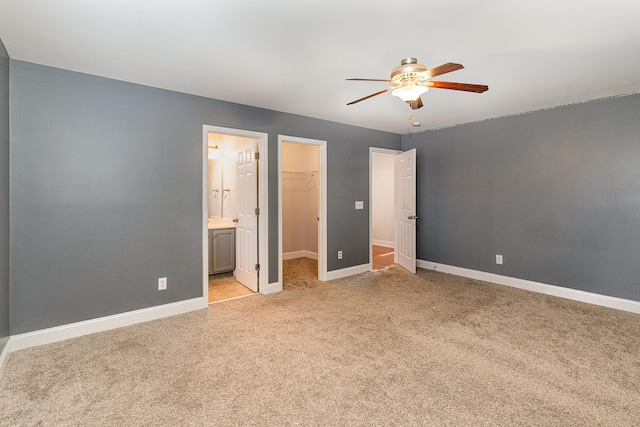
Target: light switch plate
x=360, y=205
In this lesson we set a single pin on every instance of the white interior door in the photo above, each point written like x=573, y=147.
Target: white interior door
x=247, y=221
x=405, y=210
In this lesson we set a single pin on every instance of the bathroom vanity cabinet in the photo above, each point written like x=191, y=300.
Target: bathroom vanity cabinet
x=222, y=250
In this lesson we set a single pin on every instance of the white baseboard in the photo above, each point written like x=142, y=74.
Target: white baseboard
x=272, y=288
x=73, y=330
x=384, y=243
x=299, y=254
x=543, y=288
x=4, y=355
x=349, y=271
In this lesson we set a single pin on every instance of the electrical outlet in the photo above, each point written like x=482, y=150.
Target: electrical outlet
x=339, y=254
x=162, y=283
x=498, y=259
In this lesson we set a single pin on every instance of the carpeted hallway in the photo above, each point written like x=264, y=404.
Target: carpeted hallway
x=380, y=348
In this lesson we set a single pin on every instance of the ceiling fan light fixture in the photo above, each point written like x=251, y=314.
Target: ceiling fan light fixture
x=409, y=93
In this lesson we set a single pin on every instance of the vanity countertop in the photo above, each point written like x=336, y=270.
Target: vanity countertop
x=219, y=223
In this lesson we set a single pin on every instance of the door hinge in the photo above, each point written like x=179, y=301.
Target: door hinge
x=257, y=211
x=256, y=155
x=257, y=267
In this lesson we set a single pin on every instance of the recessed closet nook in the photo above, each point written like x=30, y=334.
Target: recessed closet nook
x=299, y=208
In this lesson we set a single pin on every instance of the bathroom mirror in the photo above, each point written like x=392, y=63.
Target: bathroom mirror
x=214, y=192
x=221, y=183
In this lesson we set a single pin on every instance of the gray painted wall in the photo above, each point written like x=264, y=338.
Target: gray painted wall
x=556, y=192
x=106, y=192
x=4, y=196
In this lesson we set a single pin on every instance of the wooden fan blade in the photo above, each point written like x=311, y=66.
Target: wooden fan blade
x=466, y=87
x=370, y=96
x=443, y=69
x=415, y=104
x=370, y=80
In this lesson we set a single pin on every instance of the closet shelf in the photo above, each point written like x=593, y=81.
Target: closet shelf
x=300, y=172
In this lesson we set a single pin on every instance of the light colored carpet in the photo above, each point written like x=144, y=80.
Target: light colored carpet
x=381, y=348
x=300, y=273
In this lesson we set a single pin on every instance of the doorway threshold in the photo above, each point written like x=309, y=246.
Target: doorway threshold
x=232, y=298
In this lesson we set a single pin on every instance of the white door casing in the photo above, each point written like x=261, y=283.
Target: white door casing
x=247, y=224
x=405, y=207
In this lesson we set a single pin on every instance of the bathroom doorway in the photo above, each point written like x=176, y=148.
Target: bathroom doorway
x=302, y=207
x=234, y=196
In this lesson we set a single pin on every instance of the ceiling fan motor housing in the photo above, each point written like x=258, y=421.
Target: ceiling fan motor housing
x=408, y=71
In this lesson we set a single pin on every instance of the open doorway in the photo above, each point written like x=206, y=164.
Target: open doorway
x=302, y=208
x=402, y=196
x=234, y=195
x=382, y=223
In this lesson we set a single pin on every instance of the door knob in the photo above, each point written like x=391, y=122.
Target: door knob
x=235, y=219
x=412, y=217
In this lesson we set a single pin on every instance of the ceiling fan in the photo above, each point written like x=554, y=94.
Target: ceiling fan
x=410, y=80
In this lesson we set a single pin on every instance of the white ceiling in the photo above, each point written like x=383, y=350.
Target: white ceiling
x=294, y=55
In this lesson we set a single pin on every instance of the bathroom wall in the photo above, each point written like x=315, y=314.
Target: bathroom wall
x=214, y=178
x=229, y=155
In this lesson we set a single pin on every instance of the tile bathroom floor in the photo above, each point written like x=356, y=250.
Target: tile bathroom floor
x=224, y=286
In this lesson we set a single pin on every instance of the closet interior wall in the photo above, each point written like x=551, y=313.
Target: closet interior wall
x=299, y=201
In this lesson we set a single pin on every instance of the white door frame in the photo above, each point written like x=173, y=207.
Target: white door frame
x=263, y=203
x=322, y=202
x=371, y=151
